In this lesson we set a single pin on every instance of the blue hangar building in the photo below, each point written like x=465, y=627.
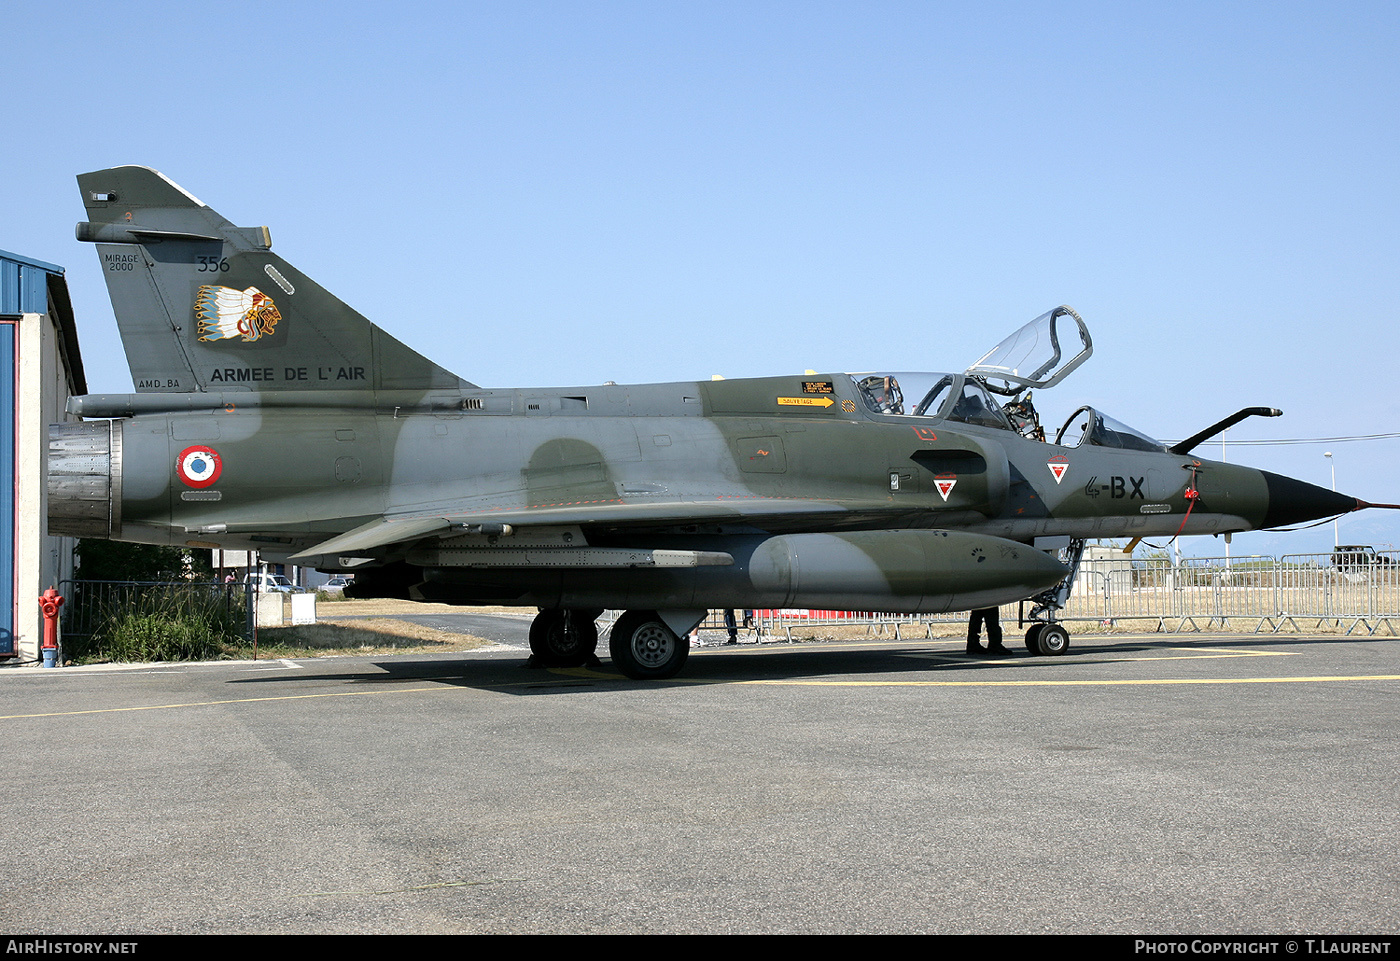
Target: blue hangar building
x=40, y=368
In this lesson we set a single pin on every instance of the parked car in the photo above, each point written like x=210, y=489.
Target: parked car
x=271, y=583
x=1357, y=555
x=336, y=585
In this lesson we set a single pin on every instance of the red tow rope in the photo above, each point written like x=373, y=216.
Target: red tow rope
x=1192, y=495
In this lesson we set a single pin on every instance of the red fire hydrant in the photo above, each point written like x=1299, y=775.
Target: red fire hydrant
x=49, y=602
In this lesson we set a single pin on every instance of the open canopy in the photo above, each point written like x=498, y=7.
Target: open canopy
x=1040, y=354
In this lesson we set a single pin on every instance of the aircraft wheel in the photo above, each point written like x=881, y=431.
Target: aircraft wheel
x=1033, y=638
x=1053, y=640
x=558, y=641
x=645, y=649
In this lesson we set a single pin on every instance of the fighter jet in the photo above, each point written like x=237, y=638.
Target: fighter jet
x=270, y=416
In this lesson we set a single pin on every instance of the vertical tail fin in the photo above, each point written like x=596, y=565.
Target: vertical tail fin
x=204, y=305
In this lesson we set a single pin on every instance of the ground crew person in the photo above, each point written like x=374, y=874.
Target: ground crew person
x=992, y=617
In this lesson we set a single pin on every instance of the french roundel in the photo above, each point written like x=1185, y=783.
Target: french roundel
x=199, y=466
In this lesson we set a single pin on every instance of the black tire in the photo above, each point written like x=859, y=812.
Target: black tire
x=1033, y=638
x=555, y=645
x=645, y=649
x=1053, y=640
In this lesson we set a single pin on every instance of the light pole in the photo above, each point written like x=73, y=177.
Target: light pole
x=1328, y=454
x=1224, y=459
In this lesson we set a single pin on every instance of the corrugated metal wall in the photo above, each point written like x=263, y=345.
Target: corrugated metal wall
x=23, y=290
x=24, y=284
x=9, y=371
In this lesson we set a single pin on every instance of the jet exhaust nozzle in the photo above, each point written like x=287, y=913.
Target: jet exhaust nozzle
x=84, y=482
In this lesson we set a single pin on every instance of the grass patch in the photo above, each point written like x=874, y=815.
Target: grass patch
x=161, y=637
x=161, y=623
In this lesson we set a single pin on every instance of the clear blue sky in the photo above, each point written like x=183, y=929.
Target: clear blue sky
x=573, y=192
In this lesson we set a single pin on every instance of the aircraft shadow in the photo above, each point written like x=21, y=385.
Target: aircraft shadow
x=779, y=662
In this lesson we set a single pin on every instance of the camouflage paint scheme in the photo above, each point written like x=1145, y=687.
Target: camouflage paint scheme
x=271, y=416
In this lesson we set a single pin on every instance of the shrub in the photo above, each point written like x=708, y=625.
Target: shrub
x=164, y=623
x=160, y=637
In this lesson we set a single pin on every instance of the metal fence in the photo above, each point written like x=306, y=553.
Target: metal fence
x=89, y=606
x=1293, y=592
x=1244, y=593
x=1253, y=594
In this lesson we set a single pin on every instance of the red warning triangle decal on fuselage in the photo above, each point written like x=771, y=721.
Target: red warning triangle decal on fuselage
x=945, y=485
x=1058, y=466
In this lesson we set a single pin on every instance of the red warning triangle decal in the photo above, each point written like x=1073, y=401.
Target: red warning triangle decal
x=1058, y=466
x=945, y=485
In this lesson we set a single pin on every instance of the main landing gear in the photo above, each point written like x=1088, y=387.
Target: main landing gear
x=563, y=638
x=642, y=644
x=1045, y=635
x=645, y=648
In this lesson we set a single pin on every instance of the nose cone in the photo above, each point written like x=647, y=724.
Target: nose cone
x=1292, y=501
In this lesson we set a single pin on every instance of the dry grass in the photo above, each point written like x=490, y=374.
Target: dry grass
x=375, y=629
x=391, y=607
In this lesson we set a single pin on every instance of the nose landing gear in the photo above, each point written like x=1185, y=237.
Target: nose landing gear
x=1046, y=637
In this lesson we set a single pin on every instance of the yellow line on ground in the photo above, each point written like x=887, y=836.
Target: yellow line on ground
x=585, y=672
x=1084, y=683
x=603, y=676
x=234, y=700
x=1116, y=657
x=1218, y=653
x=916, y=646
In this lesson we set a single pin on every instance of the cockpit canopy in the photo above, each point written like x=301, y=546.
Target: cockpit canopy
x=1037, y=355
x=947, y=396
x=1040, y=354
x=1100, y=430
